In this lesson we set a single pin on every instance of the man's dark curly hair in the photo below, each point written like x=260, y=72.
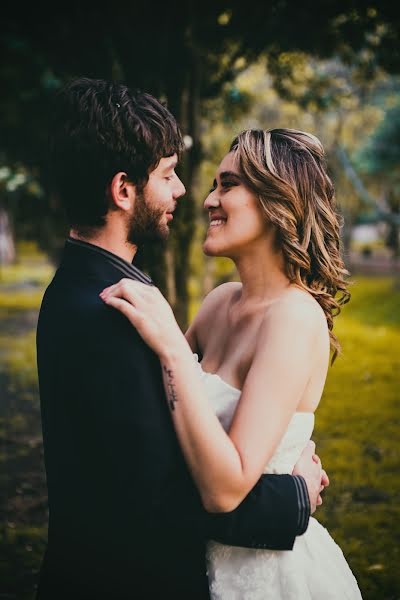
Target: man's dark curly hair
x=98, y=129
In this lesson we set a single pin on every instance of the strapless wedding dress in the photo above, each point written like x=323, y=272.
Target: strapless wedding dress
x=314, y=570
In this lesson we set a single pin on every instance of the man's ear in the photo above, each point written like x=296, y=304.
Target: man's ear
x=122, y=192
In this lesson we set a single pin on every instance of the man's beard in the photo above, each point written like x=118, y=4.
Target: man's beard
x=145, y=224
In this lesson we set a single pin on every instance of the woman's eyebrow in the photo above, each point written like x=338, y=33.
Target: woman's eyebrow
x=230, y=175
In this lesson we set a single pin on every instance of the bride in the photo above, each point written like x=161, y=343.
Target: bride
x=245, y=381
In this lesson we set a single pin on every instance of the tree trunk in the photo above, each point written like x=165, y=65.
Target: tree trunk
x=7, y=244
x=190, y=172
x=169, y=265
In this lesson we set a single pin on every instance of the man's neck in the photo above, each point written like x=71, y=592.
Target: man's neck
x=108, y=241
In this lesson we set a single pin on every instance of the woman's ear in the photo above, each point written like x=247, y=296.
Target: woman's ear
x=122, y=192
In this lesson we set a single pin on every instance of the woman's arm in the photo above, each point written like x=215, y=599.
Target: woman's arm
x=226, y=467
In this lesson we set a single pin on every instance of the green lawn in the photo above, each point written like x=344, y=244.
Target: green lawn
x=357, y=431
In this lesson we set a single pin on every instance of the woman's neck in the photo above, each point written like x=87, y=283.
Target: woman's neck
x=262, y=274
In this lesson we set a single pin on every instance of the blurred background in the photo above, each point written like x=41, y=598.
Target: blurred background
x=330, y=68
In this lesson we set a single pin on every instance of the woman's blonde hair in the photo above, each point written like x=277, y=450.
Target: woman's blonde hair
x=286, y=168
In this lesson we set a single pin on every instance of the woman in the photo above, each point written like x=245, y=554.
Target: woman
x=261, y=349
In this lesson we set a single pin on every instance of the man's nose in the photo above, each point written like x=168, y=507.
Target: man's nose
x=180, y=189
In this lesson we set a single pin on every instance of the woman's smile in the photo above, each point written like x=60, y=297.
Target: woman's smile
x=217, y=222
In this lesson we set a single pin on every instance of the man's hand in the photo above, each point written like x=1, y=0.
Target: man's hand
x=310, y=468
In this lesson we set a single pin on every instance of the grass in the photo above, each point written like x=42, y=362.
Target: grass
x=357, y=430
x=23, y=520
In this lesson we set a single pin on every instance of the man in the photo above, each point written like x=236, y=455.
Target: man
x=125, y=519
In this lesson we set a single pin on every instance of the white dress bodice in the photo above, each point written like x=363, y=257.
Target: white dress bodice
x=314, y=570
x=224, y=399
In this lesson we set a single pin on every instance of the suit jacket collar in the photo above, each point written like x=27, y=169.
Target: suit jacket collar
x=83, y=256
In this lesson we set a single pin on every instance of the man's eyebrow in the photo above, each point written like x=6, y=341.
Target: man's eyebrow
x=230, y=174
x=171, y=165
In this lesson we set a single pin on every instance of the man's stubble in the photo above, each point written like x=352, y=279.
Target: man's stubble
x=146, y=222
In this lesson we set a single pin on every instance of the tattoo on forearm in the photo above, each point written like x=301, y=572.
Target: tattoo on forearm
x=171, y=391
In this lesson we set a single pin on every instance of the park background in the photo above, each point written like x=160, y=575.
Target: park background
x=331, y=68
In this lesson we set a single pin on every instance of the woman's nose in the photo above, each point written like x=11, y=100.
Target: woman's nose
x=212, y=200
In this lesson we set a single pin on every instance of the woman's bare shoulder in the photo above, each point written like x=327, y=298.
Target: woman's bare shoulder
x=296, y=307
x=212, y=307
x=218, y=299
x=222, y=292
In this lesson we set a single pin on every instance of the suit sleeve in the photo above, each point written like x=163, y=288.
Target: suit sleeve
x=275, y=511
x=271, y=516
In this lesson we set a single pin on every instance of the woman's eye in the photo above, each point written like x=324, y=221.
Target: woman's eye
x=227, y=184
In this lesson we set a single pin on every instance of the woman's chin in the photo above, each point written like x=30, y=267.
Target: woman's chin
x=212, y=250
x=208, y=248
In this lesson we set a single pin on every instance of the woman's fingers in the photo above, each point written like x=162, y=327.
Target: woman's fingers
x=324, y=478
x=130, y=290
x=324, y=484
x=126, y=308
x=147, y=310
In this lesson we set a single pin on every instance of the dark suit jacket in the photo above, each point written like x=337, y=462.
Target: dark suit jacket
x=125, y=519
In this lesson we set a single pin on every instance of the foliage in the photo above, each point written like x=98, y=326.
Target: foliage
x=381, y=155
x=379, y=159
x=357, y=112
x=184, y=52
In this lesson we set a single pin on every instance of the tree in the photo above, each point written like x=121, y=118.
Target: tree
x=380, y=159
x=180, y=51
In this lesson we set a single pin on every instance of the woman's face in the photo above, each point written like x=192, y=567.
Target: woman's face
x=236, y=220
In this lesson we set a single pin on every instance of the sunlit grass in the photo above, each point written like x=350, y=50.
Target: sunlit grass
x=357, y=428
x=22, y=284
x=30, y=272
x=20, y=300
x=22, y=540
x=19, y=358
x=31, y=267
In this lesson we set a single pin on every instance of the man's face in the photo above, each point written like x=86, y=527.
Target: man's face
x=156, y=203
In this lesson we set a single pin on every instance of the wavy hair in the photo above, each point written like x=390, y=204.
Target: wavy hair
x=286, y=169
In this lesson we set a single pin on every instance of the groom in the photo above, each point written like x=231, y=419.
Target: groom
x=125, y=519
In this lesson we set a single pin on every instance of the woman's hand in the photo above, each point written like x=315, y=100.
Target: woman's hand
x=148, y=311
